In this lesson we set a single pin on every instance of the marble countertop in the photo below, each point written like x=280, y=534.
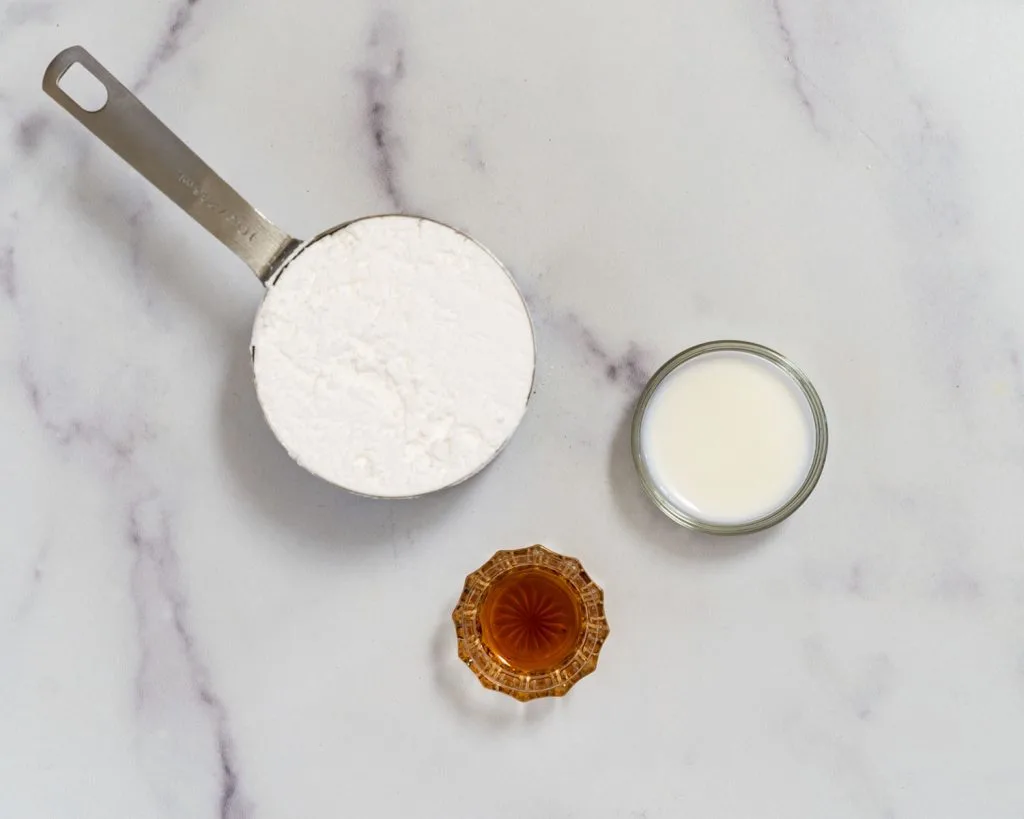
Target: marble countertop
x=192, y=627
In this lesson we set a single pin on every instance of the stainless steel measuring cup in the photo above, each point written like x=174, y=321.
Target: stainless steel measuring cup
x=135, y=134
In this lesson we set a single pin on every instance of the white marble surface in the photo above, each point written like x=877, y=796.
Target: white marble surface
x=191, y=627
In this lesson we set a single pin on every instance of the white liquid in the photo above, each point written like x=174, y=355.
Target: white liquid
x=728, y=437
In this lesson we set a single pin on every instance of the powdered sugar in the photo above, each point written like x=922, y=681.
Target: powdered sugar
x=393, y=357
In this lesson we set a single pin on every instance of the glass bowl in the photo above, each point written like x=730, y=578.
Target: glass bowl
x=530, y=623
x=686, y=517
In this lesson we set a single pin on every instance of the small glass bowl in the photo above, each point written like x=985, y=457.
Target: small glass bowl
x=685, y=518
x=530, y=623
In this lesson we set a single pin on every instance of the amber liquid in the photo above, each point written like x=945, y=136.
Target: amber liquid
x=531, y=620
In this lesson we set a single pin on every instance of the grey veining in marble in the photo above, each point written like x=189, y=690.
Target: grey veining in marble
x=383, y=70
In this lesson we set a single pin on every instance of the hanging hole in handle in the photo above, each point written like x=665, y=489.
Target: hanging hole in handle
x=87, y=92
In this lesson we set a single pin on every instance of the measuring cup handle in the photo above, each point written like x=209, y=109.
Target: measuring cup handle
x=144, y=142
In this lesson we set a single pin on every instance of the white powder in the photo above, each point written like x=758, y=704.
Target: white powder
x=393, y=357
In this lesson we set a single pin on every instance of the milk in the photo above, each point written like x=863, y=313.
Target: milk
x=728, y=437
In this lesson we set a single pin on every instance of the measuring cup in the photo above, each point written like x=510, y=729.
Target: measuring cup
x=136, y=135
